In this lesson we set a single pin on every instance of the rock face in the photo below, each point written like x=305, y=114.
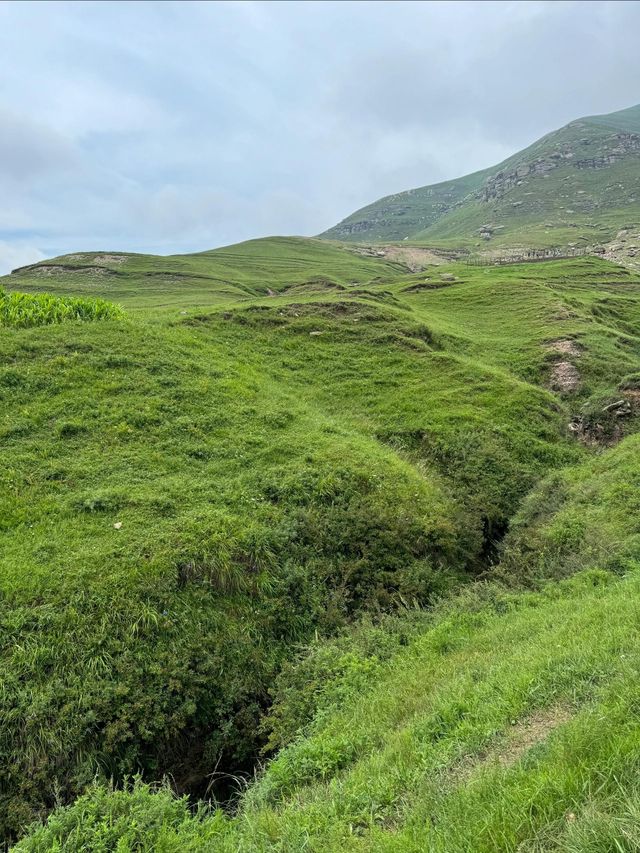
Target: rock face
x=500, y=183
x=617, y=146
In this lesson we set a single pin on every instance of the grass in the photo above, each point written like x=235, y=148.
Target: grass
x=24, y=310
x=423, y=738
x=201, y=485
x=249, y=269
x=582, y=515
x=422, y=757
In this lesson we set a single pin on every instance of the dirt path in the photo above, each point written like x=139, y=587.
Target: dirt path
x=514, y=743
x=564, y=374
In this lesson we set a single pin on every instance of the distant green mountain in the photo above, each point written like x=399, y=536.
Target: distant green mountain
x=579, y=185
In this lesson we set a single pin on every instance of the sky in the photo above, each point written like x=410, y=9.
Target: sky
x=180, y=126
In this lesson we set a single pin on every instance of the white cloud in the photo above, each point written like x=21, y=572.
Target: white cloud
x=13, y=255
x=182, y=125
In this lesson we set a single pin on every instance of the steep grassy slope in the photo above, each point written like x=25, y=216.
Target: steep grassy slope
x=502, y=721
x=576, y=186
x=187, y=493
x=405, y=214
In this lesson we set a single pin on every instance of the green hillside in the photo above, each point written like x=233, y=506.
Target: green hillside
x=576, y=187
x=501, y=721
x=234, y=272
x=285, y=503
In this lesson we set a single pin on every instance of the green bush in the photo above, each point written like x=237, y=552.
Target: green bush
x=135, y=818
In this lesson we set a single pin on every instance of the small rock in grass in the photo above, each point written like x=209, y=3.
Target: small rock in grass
x=118, y=525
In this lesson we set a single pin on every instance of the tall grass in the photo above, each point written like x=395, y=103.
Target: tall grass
x=24, y=310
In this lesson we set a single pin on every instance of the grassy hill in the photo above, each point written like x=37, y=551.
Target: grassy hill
x=259, y=476
x=234, y=272
x=578, y=186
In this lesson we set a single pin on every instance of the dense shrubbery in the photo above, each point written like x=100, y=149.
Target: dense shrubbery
x=173, y=655
x=136, y=818
x=437, y=744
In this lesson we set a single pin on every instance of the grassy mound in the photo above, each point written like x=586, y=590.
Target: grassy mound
x=253, y=268
x=172, y=520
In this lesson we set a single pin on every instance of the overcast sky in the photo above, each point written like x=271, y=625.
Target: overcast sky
x=175, y=127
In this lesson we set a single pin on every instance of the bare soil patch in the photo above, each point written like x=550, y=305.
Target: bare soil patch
x=414, y=258
x=514, y=743
x=565, y=347
x=564, y=377
x=529, y=732
x=54, y=270
x=109, y=259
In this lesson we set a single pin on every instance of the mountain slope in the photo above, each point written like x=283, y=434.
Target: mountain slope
x=578, y=185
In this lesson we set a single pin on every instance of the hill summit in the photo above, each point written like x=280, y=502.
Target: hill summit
x=577, y=186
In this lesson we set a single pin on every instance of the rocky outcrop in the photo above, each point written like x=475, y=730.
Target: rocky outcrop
x=617, y=146
x=52, y=270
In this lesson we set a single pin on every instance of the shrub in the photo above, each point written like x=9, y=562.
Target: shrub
x=137, y=817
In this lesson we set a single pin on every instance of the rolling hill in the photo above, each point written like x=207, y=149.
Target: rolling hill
x=576, y=187
x=253, y=268
x=228, y=507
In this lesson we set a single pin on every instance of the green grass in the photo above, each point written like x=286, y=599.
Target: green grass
x=499, y=721
x=566, y=205
x=23, y=310
x=191, y=490
x=217, y=277
x=582, y=515
x=430, y=754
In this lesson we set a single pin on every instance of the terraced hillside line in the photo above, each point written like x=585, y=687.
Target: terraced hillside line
x=231, y=273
